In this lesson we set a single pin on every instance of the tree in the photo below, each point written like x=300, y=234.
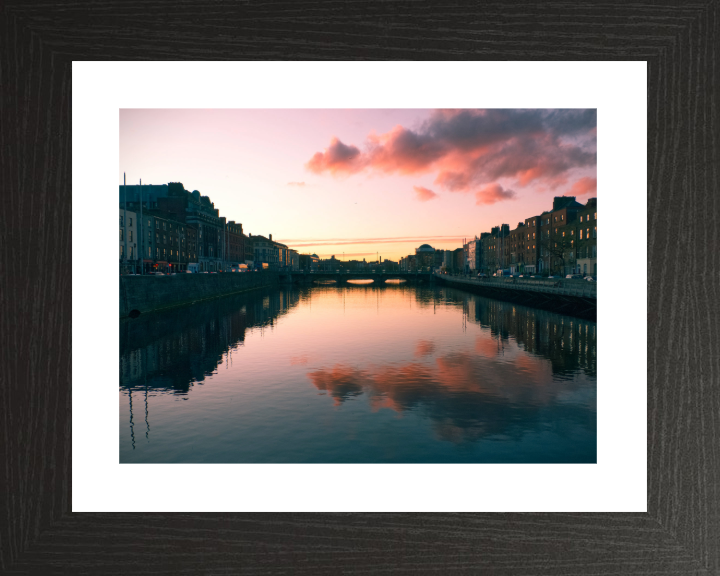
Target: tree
x=558, y=248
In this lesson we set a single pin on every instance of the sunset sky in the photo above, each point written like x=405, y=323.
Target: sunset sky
x=370, y=181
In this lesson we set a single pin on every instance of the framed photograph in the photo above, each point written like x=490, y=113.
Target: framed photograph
x=591, y=455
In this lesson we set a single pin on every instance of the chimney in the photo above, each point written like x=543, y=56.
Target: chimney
x=270, y=237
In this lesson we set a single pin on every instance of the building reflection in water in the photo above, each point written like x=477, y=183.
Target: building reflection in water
x=172, y=352
x=506, y=371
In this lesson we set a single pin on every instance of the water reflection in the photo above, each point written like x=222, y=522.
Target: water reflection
x=313, y=374
x=174, y=351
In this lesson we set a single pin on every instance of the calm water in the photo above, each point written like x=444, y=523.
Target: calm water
x=358, y=374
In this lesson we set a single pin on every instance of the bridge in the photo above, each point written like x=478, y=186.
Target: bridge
x=342, y=276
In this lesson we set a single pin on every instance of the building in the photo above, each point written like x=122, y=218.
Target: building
x=172, y=202
x=531, y=245
x=309, y=262
x=283, y=253
x=168, y=245
x=516, y=248
x=265, y=254
x=558, y=244
x=587, y=239
x=128, y=242
x=235, y=240
x=293, y=260
x=425, y=257
x=473, y=255
x=249, y=248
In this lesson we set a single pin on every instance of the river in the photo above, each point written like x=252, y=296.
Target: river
x=358, y=374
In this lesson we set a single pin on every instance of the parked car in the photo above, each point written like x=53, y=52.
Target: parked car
x=590, y=279
x=158, y=274
x=551, y=277
x=574, y=276
x=482, y=275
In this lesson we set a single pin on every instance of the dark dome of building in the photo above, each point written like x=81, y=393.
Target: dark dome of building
x=426, y=248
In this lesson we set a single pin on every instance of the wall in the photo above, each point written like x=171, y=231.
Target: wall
x=149, y=293
x=571, y=297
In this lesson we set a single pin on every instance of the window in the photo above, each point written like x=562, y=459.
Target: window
x=129, y=221
x=164, y=253
x=121, y=250
x=164, y=239
x=555, y=230
x=580, y=218
x=157, y=253
x=595, y=215
x=563, y=233
x=594, y=251
x=533, y=246
x=562, y=216
x=572, y=232
x=121, y=234
x=157, y=225
x=149, y=224
x=164, y=225
x=595, y=232
x=555, y=218
x=533, y=235
x=581, y=235
x=149, y=252
x=132, y=253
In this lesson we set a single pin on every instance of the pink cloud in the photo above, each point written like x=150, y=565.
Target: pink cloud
x=338, y=158
x=466, y=148
x=296, y=183
x=423, y=194
x=492, y=194
x=424, y=348
x=584, y=186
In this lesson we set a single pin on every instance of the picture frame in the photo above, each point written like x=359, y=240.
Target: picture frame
x=681, y=530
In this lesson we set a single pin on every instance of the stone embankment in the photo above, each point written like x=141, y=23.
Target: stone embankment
x=140, y=294
x=565, y=296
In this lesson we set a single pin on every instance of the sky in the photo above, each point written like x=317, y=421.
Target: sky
x=361, y=183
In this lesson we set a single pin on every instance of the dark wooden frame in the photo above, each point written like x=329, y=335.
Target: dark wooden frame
x=681, y=530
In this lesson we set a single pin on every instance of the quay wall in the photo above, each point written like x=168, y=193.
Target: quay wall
x=573, y=298
x=152, y=293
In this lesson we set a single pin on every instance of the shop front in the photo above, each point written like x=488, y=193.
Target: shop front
x=161, y=266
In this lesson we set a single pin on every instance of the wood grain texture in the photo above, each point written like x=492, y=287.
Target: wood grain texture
x=681, y=531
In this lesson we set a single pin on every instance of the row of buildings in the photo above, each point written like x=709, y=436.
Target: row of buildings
x=558, y=241
x=165, y=228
